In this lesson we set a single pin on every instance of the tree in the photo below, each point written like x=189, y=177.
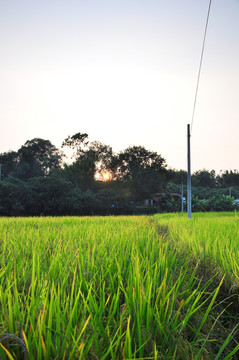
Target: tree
x=81, y=173
x=204, y=178
x=9, y=162
x=90, y=158
x=14, y=194
x=228, y=178
x=77, y=142
x=37, y=157
x=49, y=196
x=102, y=155
x=143, y=169
x=134, y=161
x=177, y=176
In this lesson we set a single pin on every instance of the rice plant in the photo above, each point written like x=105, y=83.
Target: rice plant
x=104, y=288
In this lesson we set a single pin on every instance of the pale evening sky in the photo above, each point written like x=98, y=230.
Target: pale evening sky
x=124, y=72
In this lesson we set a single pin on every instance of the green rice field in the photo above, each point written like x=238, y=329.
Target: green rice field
x=127, y=287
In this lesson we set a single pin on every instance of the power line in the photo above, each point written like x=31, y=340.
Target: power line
x=200, y=65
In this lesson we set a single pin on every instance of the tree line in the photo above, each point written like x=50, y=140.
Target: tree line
x=37, y=180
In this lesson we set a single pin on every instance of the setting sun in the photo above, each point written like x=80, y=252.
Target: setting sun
x=106, y=176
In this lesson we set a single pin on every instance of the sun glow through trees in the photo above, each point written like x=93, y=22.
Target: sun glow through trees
x=106, y=176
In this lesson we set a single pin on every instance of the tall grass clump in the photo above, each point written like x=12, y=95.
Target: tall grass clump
x=101, y=288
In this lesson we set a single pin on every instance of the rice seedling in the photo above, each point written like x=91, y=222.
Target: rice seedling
x=212, y=237
x=104, y=288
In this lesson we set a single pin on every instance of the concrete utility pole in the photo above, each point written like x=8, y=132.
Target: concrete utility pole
x=189, y=173
x=182, y=197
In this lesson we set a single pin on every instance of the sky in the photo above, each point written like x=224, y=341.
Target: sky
x=123, y=72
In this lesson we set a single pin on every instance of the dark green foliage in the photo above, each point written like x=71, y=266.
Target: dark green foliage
x=37, y=157
x=143, y=170
x=228, y=179
x=81, y=172
x=135, y=161
x=177, y=176
x=35, y=181
x=14, y=193
x=76, y=141
x=204, y=178
x=9, y=162
x=215, y=203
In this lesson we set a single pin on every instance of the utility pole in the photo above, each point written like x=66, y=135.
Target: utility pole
x=189, y=174
x=182, y=197
x=0, y=173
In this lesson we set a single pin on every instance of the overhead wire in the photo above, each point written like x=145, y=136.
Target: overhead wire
x=200, y=64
